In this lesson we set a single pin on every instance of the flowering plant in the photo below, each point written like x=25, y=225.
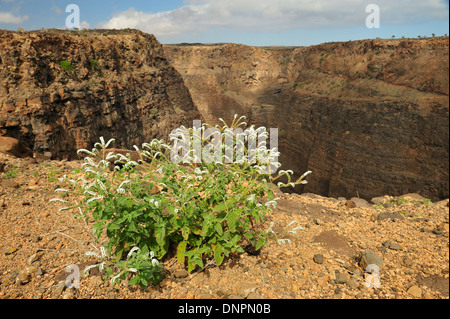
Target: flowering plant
x=202, y=209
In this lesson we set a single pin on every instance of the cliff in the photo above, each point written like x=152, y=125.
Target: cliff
x=367, y=117
x=61, y=90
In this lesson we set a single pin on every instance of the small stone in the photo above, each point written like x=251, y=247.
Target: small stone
x=36, y=238
x=318, y=258
x=369, y=257
x=246, y=289
x=380, y=200
x=318, y=222
x=407, y=261
x=9, y=184
x=45, y=214
x=353, y=283
x=413, y=197
x=180, y=274
x=32, y=259
x=11, y=250
x=395, y=246
x=359, y=202
x=342, y=277
x=60, y=287
x=34, y=270
x=23, y=278
x=382, y=249
x=391, y=216
x=415, y=291
x=350, y=204
x=386, y=243
x=97, y=281
x=165, y=283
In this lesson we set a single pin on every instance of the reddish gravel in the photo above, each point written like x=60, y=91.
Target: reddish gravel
x=321, y=261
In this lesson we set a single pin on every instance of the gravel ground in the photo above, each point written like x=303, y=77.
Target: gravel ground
x=408, y=237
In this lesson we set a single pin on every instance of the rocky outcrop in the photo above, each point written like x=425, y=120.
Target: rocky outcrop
x=61, y=90
x=367, y=117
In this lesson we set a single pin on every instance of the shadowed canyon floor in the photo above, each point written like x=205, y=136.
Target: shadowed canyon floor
x=409, y=234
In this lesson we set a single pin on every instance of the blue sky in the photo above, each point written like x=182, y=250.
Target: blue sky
x=251, y=22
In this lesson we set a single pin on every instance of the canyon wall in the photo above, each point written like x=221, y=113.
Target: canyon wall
x=61, y=90
x=367, y=117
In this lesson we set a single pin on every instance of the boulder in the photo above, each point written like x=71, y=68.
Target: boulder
x=12, y=146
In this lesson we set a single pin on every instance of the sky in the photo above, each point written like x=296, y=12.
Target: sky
x=250, y=22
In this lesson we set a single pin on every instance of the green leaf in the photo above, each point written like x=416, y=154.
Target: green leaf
x=160, y=234
x=180, y=251
x=134, y=281
x=260, y=243
x=185, y=232
x=132, y=227
x=218, y=254
x=232, y=218
x=205, y=229
x=218, y=228
x=195, y=229
x=113, y=226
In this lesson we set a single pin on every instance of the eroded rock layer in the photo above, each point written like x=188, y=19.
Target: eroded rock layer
x=367, y=117
x=61, y=90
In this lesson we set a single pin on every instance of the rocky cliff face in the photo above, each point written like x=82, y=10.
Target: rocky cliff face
x=367, y=117
x=62, y=90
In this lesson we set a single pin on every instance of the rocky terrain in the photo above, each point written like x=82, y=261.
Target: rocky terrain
x=61, y=90
x=367, y=117
x=406, y=236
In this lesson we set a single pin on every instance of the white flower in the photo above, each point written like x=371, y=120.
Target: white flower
x=294, y=230
x=61, y=190
x=113, y=279
x=103, y=251
x=135, y=248
x=123, y=183
x=90, y=193
x=284, y=241
x=93, y=266
x=58, y=200
x=94, y=199
x=91, y=253
x=85, y=151
x=102, y=186
x=271, y=203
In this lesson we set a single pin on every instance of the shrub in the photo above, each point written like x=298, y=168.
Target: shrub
x=66, y=65
x=94, y=63
x=202, y=211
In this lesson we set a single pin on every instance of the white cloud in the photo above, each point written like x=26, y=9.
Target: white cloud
x=84, y=25
x=9, y=18
x=56, y=9
x=197, y=16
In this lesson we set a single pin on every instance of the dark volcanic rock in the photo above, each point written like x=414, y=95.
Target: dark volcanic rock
x=368, y=117
x=62, y=90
